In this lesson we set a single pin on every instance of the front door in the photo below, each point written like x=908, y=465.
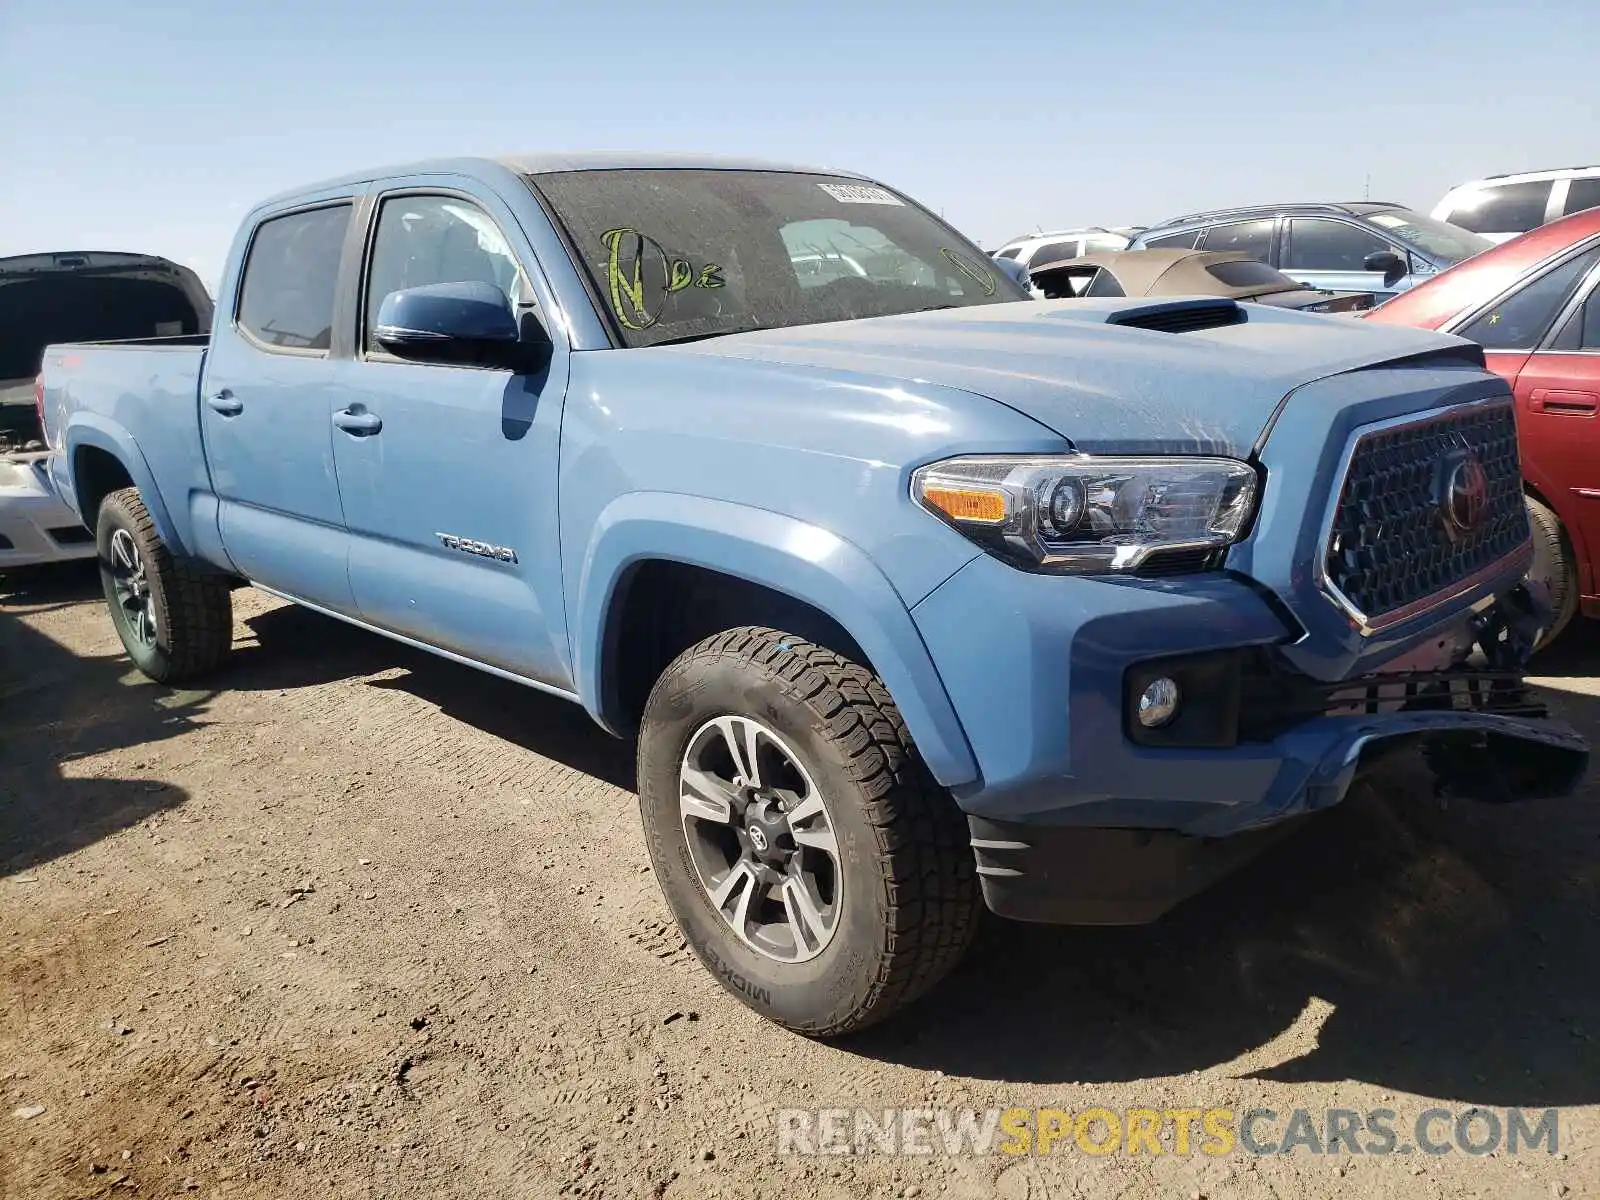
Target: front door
x=264, y=409
x=448, y=475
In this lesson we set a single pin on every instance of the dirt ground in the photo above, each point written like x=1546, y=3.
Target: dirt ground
x=363, y=923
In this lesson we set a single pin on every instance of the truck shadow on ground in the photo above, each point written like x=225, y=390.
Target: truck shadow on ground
x=298, y=648
x=56, y=707
x=1451, y=953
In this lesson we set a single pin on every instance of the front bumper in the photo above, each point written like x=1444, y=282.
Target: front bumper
x=1074, y=821
x=36, y=526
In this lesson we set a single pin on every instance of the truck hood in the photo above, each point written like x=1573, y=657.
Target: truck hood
x=1105, y=386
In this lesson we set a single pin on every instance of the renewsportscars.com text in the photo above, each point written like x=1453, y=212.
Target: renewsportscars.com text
x=1180, y=1131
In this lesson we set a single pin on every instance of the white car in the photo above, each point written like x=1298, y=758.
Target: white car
x=1066, y=243
x=36, y=526
x=1501, y=206
x=68, y=296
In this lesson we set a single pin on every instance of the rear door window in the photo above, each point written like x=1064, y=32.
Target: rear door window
x=1319, y=245
x=1248, y=237
x=1583, y=194
x=290, y=276
x=1518, y=321
x=1506, y=208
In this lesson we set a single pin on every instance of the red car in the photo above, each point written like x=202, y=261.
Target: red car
x=1533, y=303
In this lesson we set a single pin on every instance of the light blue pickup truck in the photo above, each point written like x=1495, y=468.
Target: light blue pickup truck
x=917, y=594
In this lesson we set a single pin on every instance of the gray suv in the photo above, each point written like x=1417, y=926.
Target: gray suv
x=1365, y=245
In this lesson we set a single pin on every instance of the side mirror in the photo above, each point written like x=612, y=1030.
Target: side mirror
x=1394, y=266
x=471, y=324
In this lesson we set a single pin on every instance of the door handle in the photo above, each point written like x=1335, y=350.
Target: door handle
x=226, y=403
x=357, y=421
x=1560, y=402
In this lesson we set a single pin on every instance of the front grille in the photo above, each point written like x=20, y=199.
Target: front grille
x=1391, y=544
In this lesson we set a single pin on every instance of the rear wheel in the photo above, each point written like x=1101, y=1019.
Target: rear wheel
x=810, y=860
x=1554, y=566
x=174, y=621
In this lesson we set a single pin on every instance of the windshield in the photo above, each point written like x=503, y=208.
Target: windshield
x=676, y=255
x=1445, y=243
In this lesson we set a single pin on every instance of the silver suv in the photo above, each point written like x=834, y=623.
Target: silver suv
x=1364, y=246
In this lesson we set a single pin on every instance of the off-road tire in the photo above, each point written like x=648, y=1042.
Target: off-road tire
x=1553, y=562
x=911, y=903
x=194, y=610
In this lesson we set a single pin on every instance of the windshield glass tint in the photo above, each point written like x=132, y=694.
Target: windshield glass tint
x=1439, y=240
x=684, y=254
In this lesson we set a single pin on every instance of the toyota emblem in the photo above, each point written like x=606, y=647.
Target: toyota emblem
x=1463, y=492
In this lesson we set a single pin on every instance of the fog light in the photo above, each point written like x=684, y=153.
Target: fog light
x=1159, y=703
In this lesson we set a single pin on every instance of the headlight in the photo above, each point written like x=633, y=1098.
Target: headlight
x=1081, y=514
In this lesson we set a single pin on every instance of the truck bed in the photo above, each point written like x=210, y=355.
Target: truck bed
x=148, y=384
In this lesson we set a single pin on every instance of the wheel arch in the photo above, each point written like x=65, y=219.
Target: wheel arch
x=103, y=459
x=653, y=552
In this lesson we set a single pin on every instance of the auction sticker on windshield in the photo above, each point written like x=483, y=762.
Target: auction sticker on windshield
x=859, y=193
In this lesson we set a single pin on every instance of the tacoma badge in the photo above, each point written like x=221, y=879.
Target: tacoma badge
x=482, y=549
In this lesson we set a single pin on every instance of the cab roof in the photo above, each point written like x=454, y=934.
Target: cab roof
x=546, y=162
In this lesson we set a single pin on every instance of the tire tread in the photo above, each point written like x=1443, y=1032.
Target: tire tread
x=923, y=850
x=199, y=606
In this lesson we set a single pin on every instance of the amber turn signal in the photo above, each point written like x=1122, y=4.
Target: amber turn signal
x=968, y=504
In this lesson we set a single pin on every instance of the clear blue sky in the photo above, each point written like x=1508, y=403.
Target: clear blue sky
x=153, y=126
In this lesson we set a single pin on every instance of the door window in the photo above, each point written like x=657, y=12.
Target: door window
x=290, y=277
x=1519, y=320
x=1583, y=193
x=1506, y=208
x=1053, y=252
x=1248, y=237
x=1174, y=241
x=1330, y=246
x=423, y=240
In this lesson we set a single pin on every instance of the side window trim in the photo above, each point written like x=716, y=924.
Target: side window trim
x=1573, y=311
x=525, y=303
x=1556, y=202
x=350, y=202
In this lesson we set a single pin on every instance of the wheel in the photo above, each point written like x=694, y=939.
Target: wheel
x=1552, y=563
x=174, y=621
x=810, y=860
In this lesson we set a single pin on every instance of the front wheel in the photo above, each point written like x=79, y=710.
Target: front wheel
x=810, y=860
x=1554, y=566
x=174, y=621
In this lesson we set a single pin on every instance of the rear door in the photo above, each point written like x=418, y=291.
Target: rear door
x=1324, y=252
x=450, y=490
x=266, y=393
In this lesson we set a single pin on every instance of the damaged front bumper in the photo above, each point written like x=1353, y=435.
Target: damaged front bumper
x=1084, y=818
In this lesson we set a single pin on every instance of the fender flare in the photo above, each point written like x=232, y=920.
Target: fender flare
x=790, y=556
x=92, y=430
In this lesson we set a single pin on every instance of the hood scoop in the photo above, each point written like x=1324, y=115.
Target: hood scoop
x=1180, y=316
